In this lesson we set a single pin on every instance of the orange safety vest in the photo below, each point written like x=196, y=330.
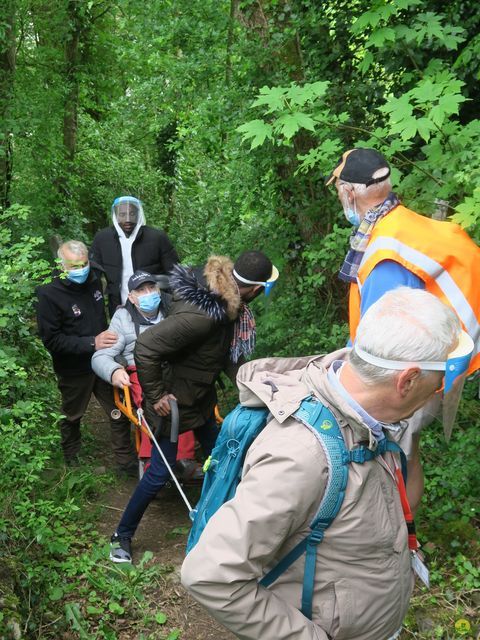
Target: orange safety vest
x=439, y=253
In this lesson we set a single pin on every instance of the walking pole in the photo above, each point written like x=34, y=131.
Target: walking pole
x=141, y=420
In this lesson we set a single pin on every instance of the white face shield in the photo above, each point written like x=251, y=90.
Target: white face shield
x=455, y=367
x=126, y=209
x=268, y=284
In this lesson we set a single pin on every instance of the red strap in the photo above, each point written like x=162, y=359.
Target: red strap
x=407, y=512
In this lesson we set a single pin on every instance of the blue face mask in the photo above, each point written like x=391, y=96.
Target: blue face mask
x=149, y=302
x=78, y=275
x=350, y=212
x=352, y=216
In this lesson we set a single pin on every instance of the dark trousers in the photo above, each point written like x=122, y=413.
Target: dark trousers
x=76, y=393
x=157, y=475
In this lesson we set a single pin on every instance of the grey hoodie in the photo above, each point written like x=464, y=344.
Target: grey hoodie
x=103, y=360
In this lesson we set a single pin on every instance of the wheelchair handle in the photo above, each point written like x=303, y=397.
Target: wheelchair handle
x=175, y=420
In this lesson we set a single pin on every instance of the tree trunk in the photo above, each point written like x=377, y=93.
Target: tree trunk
x=7, y=76
x=231, y=26
x=72, y=55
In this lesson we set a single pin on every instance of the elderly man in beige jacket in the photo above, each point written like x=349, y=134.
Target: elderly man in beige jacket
x=364, y=576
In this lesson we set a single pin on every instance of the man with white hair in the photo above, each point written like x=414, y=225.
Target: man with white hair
x=360, y=581
x=72, y=325
x=392, y=246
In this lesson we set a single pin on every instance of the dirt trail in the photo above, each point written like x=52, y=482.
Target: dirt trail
x=154, y=534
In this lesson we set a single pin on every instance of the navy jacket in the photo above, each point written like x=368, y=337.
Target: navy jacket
x=69, y=316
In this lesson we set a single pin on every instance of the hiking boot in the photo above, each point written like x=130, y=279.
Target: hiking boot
x=120, y=549
x=130, y=469
x=189, y=471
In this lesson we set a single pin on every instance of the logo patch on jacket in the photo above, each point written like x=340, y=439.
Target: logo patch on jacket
x=97, y=295
x=76, y=310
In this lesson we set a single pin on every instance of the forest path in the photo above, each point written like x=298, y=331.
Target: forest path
x=156, y=533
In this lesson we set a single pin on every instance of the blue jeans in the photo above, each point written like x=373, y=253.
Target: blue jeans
x=157, y=475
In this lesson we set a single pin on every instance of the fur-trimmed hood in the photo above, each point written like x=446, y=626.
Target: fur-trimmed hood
x=218, y=296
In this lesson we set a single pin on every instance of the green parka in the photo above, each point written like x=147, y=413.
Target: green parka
x=185, y=353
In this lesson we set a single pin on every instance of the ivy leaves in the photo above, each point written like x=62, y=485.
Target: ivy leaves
x=391, y=25
x=283, y=104
x=425, y=108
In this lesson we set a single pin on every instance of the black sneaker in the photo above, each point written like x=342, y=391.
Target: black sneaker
x=120, y=549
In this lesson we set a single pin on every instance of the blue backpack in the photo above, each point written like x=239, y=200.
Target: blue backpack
x=223, y=471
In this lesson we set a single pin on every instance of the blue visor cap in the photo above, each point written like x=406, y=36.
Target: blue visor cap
x=457, y=362
x=268, y=284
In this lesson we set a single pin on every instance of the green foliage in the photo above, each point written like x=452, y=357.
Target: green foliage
x=22, y=269
x=163, y=95
x=50, y=544
x=423, y=133
x=286, y=105
x=425, y=108
x=291, y=110
x=466, y=212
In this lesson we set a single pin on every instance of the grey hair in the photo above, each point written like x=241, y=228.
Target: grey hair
x=77, y=247
x=376, y=190
x=404, y=324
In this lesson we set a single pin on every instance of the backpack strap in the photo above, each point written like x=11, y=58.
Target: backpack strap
x=320, y=420
x=362, y=454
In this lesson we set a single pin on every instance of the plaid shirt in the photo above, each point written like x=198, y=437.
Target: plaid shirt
x=361, y=237
x=244, y=335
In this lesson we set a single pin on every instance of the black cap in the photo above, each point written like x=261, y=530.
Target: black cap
x=138, y=278
x=254, y=266
x=359, y=166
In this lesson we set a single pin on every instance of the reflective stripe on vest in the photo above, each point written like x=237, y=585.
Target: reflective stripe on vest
x=443, y=279
x=441, y=254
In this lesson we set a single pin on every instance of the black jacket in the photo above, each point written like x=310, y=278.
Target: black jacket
x=69, y=316
x=185, y=353
x=152, y=251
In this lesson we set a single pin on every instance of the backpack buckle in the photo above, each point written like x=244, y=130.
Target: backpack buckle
x=357, y=455
x=316, y=536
